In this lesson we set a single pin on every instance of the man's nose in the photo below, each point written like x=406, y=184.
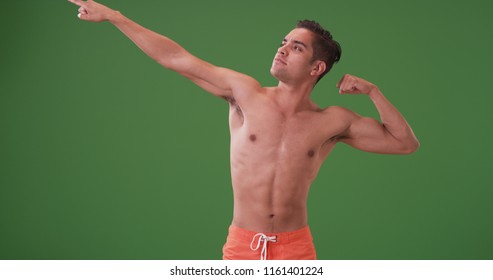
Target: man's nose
x=282, y=50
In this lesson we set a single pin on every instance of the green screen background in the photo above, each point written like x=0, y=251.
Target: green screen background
x=104, y=154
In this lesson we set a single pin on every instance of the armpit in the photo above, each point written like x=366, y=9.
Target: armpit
x=232, y=102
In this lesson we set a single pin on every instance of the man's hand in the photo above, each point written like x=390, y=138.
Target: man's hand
x=93, y=11
x=354, y=85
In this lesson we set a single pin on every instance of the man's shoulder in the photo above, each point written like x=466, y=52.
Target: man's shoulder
x=244, y=82
x=337, y=110
x=339, y=114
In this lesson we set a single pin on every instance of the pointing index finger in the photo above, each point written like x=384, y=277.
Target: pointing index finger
x=77, y=2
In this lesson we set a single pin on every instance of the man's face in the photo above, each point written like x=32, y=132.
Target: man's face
x=293, y=58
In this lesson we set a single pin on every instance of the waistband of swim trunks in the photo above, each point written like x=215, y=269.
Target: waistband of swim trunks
x=281, y=237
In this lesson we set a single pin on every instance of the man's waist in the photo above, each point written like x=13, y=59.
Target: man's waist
x=246, y=235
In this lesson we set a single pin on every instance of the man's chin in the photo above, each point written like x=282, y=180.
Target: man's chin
x=275, y=74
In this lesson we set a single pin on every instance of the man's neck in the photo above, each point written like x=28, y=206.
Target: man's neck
x=293, y=98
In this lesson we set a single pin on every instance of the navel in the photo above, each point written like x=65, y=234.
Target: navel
x=253, y=137
x=311, y=153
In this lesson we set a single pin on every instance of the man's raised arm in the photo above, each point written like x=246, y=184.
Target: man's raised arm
x=216, y=80
x=393, y=136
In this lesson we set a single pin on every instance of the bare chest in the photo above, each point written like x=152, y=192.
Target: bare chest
x=264, y=128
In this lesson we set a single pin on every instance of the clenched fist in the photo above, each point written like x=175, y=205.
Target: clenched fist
x=354, y=85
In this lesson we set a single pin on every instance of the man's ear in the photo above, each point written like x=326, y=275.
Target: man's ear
x=318, y=68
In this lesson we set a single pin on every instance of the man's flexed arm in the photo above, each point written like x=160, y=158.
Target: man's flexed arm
x=219, y=81
x=394, y=136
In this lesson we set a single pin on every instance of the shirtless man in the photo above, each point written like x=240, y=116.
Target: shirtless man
x=279, y=136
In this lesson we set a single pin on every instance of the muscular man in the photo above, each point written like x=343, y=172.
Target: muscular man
x=279, y=136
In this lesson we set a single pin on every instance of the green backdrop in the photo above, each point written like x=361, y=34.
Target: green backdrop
x=104, y=154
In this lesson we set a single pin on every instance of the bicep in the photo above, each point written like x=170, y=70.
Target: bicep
x=369, y=135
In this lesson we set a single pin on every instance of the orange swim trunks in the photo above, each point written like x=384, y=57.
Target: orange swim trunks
x=243, y=244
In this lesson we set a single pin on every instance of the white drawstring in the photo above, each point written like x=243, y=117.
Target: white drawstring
x=265, y=238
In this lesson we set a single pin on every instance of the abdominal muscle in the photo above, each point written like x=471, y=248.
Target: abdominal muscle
x=272, y=171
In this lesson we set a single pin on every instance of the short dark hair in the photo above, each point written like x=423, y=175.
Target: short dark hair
x=324, y=47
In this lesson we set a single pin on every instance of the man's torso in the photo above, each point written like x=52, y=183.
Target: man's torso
x=274, y=159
